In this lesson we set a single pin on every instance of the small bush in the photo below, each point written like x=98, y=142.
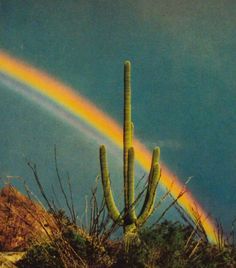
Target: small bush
x=67, y=247
x=41, y=256
x=164, y=246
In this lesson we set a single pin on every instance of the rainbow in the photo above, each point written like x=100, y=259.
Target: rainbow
x=78, y=106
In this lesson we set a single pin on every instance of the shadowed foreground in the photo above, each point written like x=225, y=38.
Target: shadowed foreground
x=51, y=239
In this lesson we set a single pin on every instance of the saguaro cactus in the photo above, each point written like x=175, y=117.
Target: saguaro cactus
x=128, y=218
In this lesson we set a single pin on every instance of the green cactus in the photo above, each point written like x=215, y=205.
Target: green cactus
x=128, y=219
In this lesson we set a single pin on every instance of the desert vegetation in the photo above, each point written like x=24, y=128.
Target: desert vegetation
x=56, y=239
x=59, y=242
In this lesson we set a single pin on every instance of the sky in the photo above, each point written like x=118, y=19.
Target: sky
x=183, y=80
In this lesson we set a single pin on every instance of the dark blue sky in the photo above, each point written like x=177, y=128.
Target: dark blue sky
x=183, y=56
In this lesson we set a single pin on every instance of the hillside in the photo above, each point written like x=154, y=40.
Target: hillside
x=19, y=220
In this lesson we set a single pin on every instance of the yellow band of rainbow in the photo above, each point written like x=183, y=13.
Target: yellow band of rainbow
x=74, y=103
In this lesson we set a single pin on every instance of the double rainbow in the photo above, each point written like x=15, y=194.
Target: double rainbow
x=78, y=106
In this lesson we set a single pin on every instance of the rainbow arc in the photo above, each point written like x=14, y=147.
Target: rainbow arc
x=80, y=107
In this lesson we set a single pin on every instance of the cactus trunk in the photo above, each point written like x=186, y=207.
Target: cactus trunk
x=127, y=132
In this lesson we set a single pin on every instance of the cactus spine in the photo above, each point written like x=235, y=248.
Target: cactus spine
x=128, y=219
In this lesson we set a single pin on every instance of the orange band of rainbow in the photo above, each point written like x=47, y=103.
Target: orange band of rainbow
x=74, y=103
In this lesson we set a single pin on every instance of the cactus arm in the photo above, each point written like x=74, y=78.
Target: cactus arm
x=154, y=177
x=110, y=203
x=127, y=128
x=131, y=195
x=148, y=205
x=155, y=160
